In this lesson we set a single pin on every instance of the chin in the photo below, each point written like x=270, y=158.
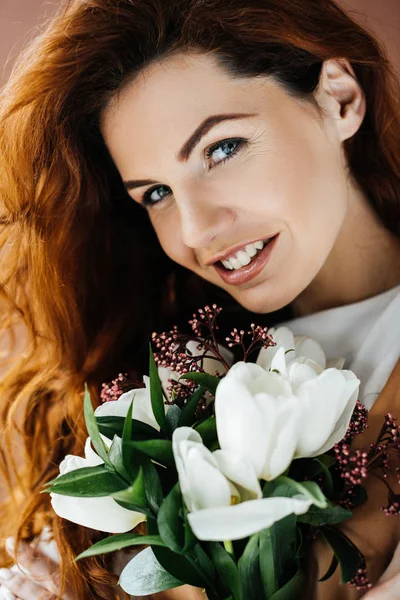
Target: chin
x=260, y=303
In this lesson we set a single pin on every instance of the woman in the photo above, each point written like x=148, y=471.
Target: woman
x=143, y=141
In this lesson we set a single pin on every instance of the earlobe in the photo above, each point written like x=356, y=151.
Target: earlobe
x=341, y=96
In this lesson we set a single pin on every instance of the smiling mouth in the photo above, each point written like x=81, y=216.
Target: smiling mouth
x=244, y=265
x=243, y=257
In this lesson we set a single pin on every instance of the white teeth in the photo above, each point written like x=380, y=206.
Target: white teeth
x=236, y=264
x=243, y=257
x=227, y=265
x=251, y=250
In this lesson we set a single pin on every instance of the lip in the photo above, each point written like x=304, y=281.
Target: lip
x=249, y=271
x=234, y=250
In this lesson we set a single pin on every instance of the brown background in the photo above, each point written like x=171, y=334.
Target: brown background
x=20, y=19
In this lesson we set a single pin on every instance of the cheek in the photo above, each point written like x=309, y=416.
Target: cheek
x=310, y=186
x=170, y=238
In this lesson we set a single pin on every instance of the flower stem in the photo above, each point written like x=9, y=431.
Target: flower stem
x=229, y=548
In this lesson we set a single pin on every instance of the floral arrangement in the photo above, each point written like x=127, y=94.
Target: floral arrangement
x=234, y=468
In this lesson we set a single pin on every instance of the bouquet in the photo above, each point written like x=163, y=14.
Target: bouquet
x=234, y=468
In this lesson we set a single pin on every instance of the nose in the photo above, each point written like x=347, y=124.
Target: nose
x=203, y=220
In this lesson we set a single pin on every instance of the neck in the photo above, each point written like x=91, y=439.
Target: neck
x=364, y=262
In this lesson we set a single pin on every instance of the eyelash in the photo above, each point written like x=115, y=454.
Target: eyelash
x=147, y=202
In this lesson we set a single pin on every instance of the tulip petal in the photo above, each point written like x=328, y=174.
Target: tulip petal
x=195, y=465
x=278, y=363
x=282, y=336
x=241, y=520
x=141, y=410
x=343, y=421
x=299, y=372
x=239, y=470
x=272, y=384
x=208, y=486
x=241, y=427
x=310, y=348
x=285, y=440
x=103, y=514
x=323, y=399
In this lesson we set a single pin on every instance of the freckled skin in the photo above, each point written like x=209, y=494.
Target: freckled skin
x=289, y=177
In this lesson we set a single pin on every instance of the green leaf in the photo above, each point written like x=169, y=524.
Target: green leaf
x=187, y=417
x=326, y=459
x=210, y=382
x=176, y=564
x=310, y=489
x=152, y=486
x=172, y=417
x=331, y=515
x=144, y=575
x=93, y=430
x=292, y=589
x=277, y=554
x=180, y=567
x=345, y=551
x=87, y=482
x=227, y=570
x=190, y=539
x=116, y=459
x=249, y=570
x=156, y=394
x=135, y=493
x=119, y=541
x=170, y=522
x=158, y=450
x=204, y=565
x=111, y=425
x=208, y=431
x=127, y=451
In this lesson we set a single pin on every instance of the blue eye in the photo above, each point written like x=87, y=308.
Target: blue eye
x=149, y=200
x=230, y=147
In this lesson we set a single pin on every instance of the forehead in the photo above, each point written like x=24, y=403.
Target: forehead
x=178, y=87
x=197, y=78
x=153, y=115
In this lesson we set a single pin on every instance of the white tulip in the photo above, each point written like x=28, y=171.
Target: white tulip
x=270, y=418
x=102, y=514
x=296, y=347
x=219, y=510
x=141, y=410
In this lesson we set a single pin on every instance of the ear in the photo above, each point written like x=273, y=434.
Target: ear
x=340, y=95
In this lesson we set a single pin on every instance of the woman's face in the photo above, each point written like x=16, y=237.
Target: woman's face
x=266, y=165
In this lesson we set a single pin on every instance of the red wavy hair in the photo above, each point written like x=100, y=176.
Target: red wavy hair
x=77, y=300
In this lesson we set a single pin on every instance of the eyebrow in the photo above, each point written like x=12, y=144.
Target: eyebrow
x=188, y=147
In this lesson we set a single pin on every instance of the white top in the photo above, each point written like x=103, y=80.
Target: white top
x=366, y=334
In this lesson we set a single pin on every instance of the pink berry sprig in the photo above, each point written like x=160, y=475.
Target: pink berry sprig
x=358, y=422
x=260, y=338
x=393, y=505
x=118, y=386
x=383, y=456
x=173, y=353
x=352, y=464
x=360, y=581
